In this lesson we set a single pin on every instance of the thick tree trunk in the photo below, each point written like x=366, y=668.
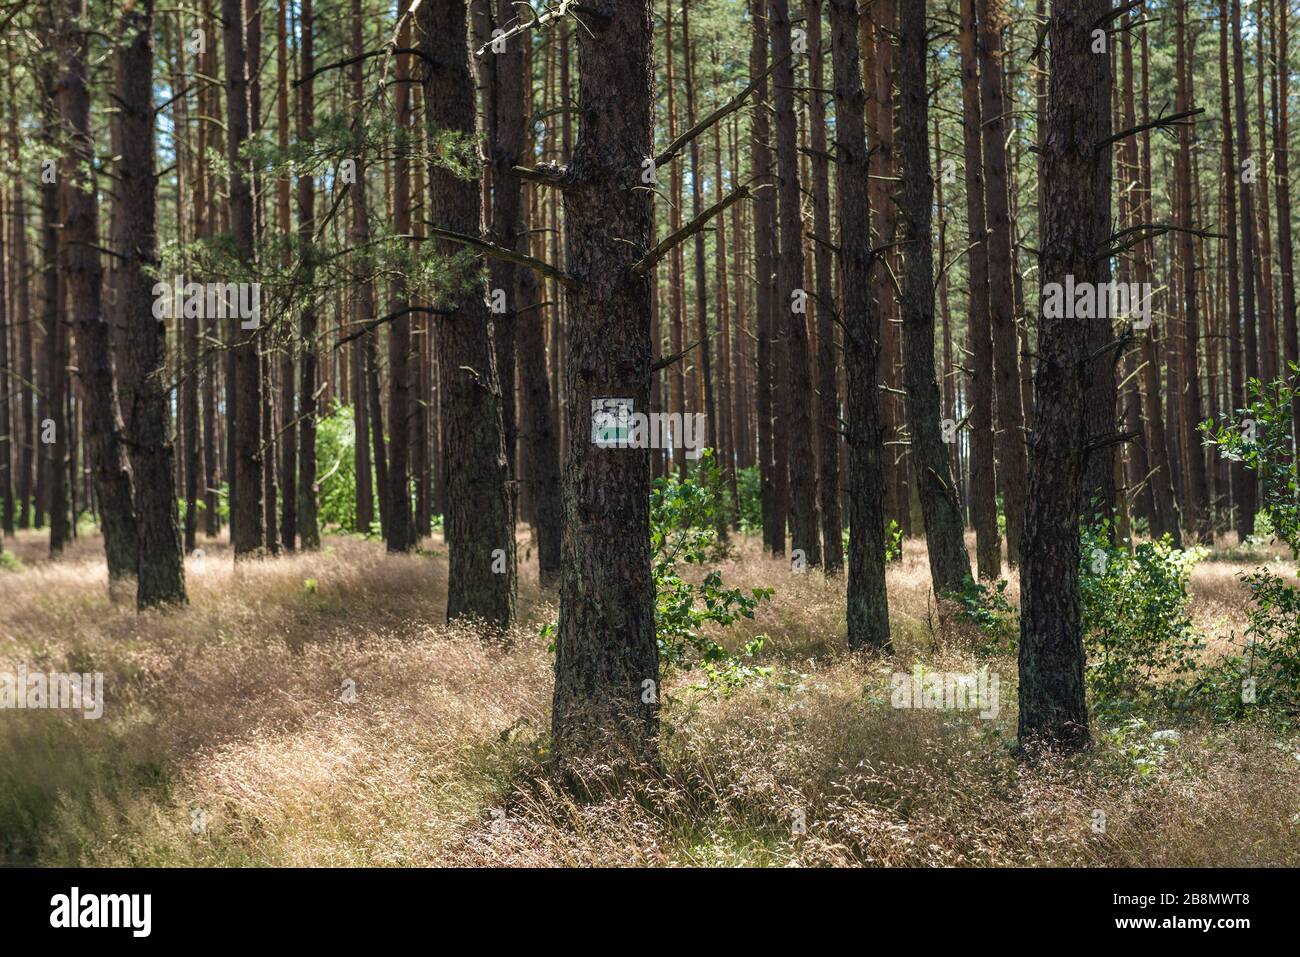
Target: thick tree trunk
x=1076, y=222
x=479, y=521
x=949, y=562
x=606, y=703
x=80, y=266
x=868, y=603
x=161, y=565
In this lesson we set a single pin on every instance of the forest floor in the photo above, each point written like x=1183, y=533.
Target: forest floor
x=230, y=735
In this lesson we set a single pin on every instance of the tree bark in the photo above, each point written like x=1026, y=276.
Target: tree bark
x=1010, y=438
x=606, y=703
x=765, y=268
x=540, y=451
x=80, y=266
x=949, y=562
x=247, y=533
x=1076, y=223
x=308, y=522
x=791, y=300
x=868, y=602
x=479, y=520
x=983, y=490
x=161, y=564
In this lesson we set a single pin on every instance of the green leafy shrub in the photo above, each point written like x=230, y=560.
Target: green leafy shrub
x=684, y=513
x=1138, y=633
x=683, y=532
x=986, y=607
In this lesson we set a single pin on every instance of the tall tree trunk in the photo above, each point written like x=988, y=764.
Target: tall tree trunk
x=540, y=450
x=1285, y=244
x=765, y=268
x=26, y=417
x=479, y=520
x=704, y=350
x=828, y=404
x=79, y=263
x=308, y=522
x=791, y=306
x=247, y=532
x=1010, y=439
x=1246, y=499
x=401, y=527
x=1076, y=223
x=161, y=564
x=606, y=703
x=868, y=603
x=1199, y=522
x=949, y=562
x=1160, y=480
x=52, y=389
x=983, y=490
x=363, y=303
x=284, y=215
x=6, y=386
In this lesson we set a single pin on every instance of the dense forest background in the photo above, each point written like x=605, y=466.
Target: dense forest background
x=347, y=291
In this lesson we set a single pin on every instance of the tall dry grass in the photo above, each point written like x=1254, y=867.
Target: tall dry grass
x=230, y=737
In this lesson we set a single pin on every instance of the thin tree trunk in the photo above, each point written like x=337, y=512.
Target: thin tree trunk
x=1010, y=441
x=1246, y=498
x=540, y=451
x=1197, y=496
x=828, y=404
x=308, y=522
x=983, y=490
x=765, y=267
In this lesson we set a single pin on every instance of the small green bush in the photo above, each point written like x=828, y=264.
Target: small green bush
x=1138, y=633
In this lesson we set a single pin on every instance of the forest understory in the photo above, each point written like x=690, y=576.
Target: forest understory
x=231, y=714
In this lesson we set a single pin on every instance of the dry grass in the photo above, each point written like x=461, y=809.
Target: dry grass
x=229, y=713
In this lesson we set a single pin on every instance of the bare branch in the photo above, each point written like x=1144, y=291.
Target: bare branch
x=504, y=254
x=667, y=244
